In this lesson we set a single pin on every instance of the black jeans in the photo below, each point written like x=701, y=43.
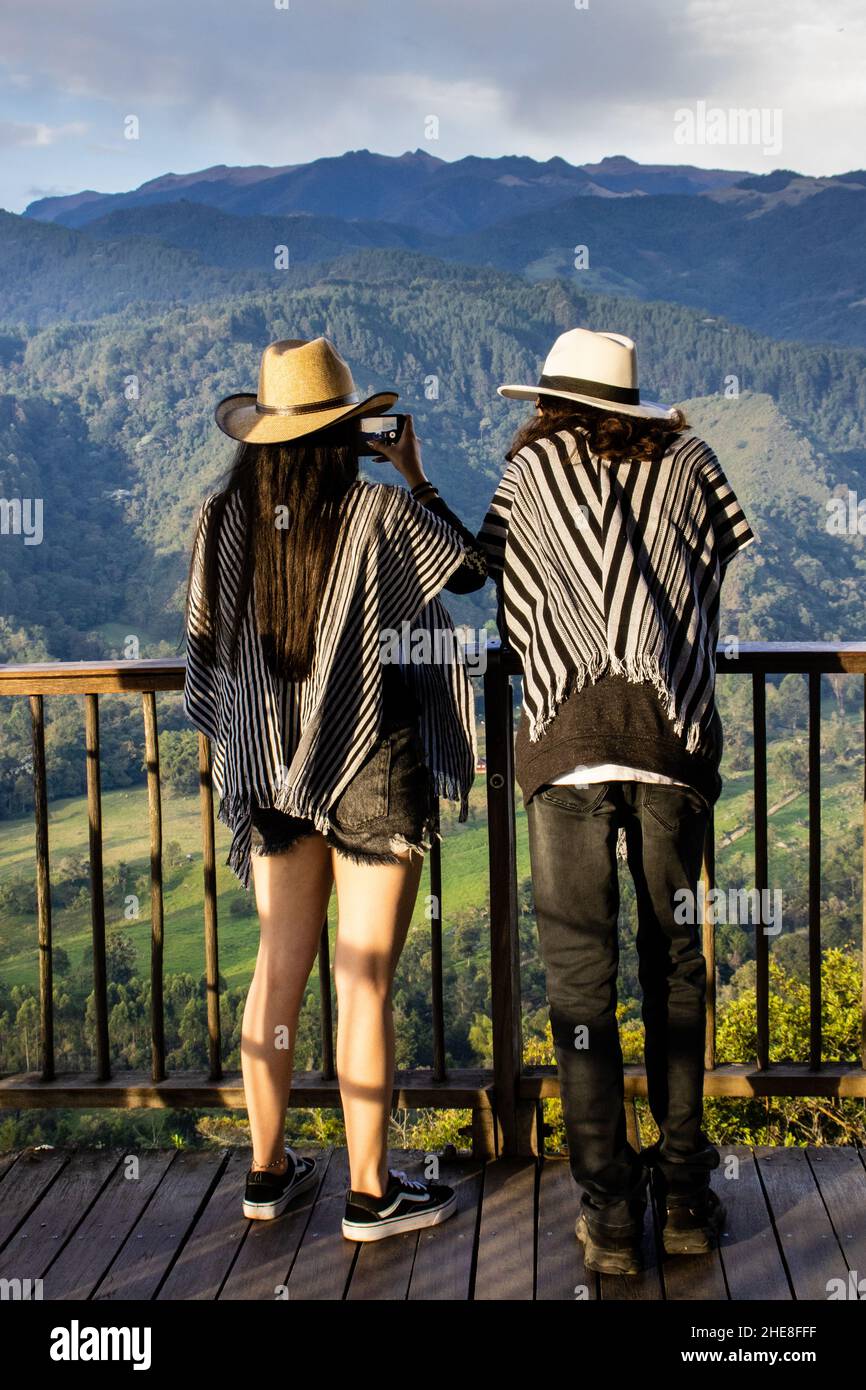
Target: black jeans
x=572, y=839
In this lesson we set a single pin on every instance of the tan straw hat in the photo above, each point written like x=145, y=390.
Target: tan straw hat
x=303, y=386
x=598, y=369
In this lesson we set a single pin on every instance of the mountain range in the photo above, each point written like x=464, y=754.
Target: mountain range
x=779, y=253
x=415, y=189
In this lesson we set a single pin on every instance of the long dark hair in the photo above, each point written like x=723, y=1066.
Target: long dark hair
x=608, y=434
x=291, y=495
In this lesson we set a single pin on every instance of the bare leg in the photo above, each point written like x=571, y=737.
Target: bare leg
x=375, y=907
x=292, y=892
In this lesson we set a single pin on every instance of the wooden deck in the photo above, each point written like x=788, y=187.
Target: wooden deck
x=91, y=1228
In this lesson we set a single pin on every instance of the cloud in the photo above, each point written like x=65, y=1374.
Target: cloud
x=217, y=81
x=23, y=133
x=52, y=191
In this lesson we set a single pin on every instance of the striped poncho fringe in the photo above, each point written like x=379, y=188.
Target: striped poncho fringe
x=295, y=746
x=613, y=567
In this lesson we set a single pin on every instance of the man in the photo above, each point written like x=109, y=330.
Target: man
x=609, y=535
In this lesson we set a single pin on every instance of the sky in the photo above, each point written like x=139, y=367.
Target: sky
x=287, y=81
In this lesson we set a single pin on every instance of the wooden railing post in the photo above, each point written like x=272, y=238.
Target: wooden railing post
x=815, y=870
x=514, y=1121
x=437, y=998
x=97, y=889
x=708, y=934
x=43, y=889
x=762, y=941
x=863, y=907
x=211, y=946
x=157, y=923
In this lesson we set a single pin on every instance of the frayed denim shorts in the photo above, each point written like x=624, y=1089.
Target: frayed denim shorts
x=387, y=808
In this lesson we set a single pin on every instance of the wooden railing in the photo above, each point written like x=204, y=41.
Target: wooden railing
x=518, y=1089
x=458, y=1088
x=504, y=1100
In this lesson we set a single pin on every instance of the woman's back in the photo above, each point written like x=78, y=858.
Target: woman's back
x=294, y=743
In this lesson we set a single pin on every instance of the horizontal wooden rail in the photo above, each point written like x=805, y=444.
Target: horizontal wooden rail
x=461, y=1090
x=92, y=677
x=734, y=1080
x=167, y=673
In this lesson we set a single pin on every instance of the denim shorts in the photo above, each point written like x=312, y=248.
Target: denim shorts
x=387, y=808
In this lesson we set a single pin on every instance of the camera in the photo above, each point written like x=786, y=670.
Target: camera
x=375, y=427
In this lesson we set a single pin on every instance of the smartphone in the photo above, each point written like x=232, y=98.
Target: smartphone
x=375, y=427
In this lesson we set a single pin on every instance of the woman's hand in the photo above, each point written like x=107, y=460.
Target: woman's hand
x=405, y=455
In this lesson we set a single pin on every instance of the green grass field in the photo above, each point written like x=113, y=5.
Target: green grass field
x=125, y=830
x=126, y=840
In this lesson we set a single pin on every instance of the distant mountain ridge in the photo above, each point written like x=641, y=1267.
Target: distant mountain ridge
x=416, y=188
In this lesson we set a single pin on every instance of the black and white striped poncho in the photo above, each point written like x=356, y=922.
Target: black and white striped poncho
x=613, y=567
x=295, y=745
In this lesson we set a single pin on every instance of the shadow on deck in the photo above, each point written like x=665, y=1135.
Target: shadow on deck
x=90, y=1228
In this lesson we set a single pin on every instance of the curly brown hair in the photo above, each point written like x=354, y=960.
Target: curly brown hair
x=610, y=435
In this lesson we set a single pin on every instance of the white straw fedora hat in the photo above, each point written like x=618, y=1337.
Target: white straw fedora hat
x=598, y=369
x=303, y=386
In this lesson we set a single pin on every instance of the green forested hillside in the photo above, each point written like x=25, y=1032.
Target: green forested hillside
x=125, y=475
x=222, y=239
x=720, y=254
x=50, y=273
x=782, y=261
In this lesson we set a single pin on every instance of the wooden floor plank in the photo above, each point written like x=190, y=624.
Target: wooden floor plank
x=160, y=1233
x=443, y=1261
x=7, y=1160
x=87, y=1256
x=261, y=1269
x=749, y=1249
x=202, y=1265
x=506, y=1239
x=646, y=1287
x=561, y=1274
x=324, y=1261
x=27, y=1181
x=41, y=1237
x=701, y=1278
x=809, y=1245
x=177, y=1232
x=694, y=1278
x=841, y=1179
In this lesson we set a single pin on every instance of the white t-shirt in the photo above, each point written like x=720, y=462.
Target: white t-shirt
x=585, y=774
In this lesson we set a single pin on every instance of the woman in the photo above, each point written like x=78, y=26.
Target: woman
x=609, y=536
x=328, y=760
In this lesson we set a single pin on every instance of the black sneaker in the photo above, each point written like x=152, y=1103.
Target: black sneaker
x=612, y=1237
x=406, y=1206
x=607, y=1254
x=268, y=1194
x=691, y=1214
x=691, y=1225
